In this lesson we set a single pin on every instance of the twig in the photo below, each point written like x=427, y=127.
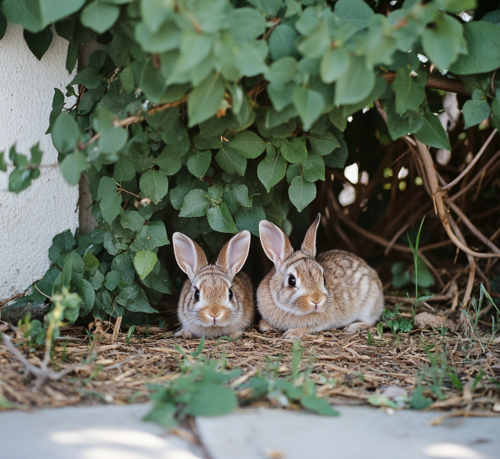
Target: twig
x=471, y=226
x=43, y=372
x=117, y=328
x=487, y=167
x=135, y=119
x=471, y=164
x=430, y=171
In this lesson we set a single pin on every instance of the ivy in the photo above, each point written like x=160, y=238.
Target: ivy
x=208, y=116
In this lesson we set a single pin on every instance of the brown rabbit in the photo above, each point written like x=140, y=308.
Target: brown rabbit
x=214, y=301
x=304, y=294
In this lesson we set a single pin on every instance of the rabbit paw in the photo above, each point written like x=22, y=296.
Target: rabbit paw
x=236, y=335
x=184, y=333
x=295, y=333
x=354, y=327
x=264, y=327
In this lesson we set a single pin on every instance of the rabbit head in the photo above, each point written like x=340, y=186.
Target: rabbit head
x=298, y=284
x=209, y=301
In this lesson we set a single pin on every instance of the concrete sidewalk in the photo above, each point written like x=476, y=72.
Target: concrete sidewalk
x=117, y=432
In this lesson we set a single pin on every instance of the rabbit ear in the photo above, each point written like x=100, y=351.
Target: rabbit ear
x=309, y=244
x=274, y=242
x=233, y=255
x=189, y=255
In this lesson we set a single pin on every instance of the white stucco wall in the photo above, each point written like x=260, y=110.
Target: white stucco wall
x=29, y=220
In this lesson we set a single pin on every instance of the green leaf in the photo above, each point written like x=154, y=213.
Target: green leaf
x=314, y=168
x=110, y=206
x=204, y=100
x=144, y=262
x=355, y=84
x=166, y=38
x=169, y=161
x=301, y=193
x=91, y=263
x=241, y=194
x=151, y=236
x=356, y=12
x=89, y=77
x=247, y=144
x=112, y=140
x=249, y=218
x=86, y=293
x=124, y=170
x=334, y=63
x=162, y=413
x=282, y=42
x=443, y=41
x=282, y=71
x=195, y=204
x=3, y=23
x=131, y=219
x=410, y=91
x=418, y=400
x=230, y=161
x=154, y=185
x=199, y=163
x=65, y=133
x=220, y=219
x=211, y=399
x=54, y=10
x=400, y=274
x=483, y=41
x=294, y=150
x=271, y=170
x=402, y=125
x=475, y=111
x=38, y=43
x=432, y=132
x=309, y=105
x=246, y=24
x=323, y=144
x=72, y=167
x=316, y=42
x=99, y=16
x=318, y=405
x=3, y=164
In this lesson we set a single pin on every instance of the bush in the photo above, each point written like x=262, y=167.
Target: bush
x=207, y=116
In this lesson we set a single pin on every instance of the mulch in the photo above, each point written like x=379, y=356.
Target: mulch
x=348, y=368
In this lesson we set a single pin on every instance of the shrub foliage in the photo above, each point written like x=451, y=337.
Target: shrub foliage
x=207, y=116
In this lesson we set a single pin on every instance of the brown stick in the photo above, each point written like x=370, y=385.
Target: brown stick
x=471, y=226
x=430, y=171
x=489, y=166
x=471, y=164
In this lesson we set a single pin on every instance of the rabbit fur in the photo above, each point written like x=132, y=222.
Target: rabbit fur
x=215, y=300
x=305, y=294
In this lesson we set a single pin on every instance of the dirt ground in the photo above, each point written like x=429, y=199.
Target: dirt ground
x=454, y=369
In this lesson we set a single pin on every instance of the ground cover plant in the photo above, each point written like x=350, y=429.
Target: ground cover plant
x=207, y=116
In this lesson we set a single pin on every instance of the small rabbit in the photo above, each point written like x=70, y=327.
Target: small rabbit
x=304, y=294
x=214, y=301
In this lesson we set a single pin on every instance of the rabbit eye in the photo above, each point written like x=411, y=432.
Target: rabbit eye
x=292, y=282
x=196, y=294
x=230, y=294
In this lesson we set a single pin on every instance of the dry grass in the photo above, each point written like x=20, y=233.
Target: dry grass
x=346, y=367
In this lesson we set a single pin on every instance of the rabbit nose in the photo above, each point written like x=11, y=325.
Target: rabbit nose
x=215, y=313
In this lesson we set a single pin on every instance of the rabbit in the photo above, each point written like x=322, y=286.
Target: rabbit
x=215, y=301
x=305, y=294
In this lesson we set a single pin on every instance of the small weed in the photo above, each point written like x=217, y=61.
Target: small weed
x=129, y=334
x=436, y=377
x=473, y=322
x=396, y=322
x=203, y=388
